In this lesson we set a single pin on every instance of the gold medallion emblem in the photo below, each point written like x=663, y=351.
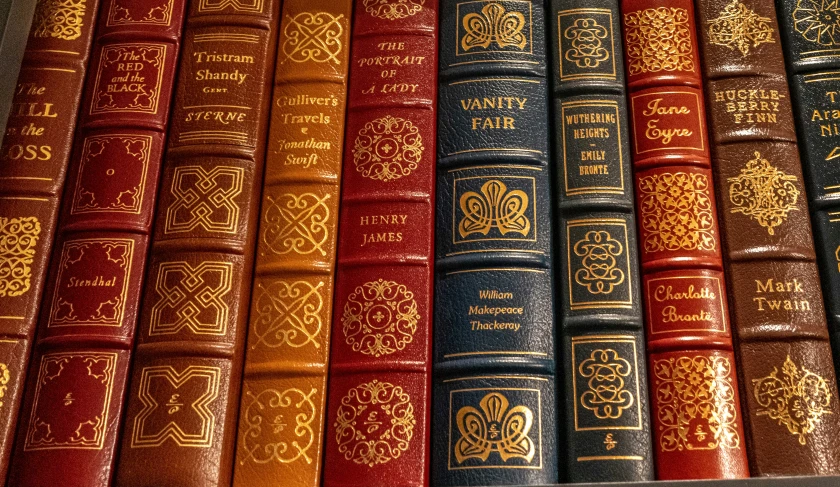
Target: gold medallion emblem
x=393, y=9
x=387, y=149
x=763, y=193
x=658, y=39
x=380, y=318
x=739, y=27
x=818, y=21
x=18, y=237
x=495, y=428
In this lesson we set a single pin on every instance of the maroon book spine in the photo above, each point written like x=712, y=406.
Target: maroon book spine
x=380, y=370
x=73, y=404
x=33, y=163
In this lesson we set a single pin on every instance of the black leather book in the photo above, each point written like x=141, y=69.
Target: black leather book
x=494, y=398
x=811, y=35
x=607, y=428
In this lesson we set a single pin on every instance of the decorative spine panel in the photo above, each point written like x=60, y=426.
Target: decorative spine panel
x=380, y=365
x=494, y=399
x=281, y=419
x=697, y=424
x=184, y=393
x=34, y=155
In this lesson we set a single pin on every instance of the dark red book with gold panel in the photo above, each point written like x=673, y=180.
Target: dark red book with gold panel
x=695, y=407
x=73, y=405
x=379, y=387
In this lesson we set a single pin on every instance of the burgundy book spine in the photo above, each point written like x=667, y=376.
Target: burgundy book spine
x=380, y=369
x=695, y=408
x=73, y=404
x=33, y=164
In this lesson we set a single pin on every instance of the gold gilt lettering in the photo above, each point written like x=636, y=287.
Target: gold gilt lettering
x=303, y=100
x=670, y=313
x=98, y=281
x=297, y=119
x=214, y=57
x=827, y=127
x=382, y=237
x=224, y=117
x=391, y=61
x=773, y=287
x=592, y=170
x=496, y=102
x=493, y=294
x=666, y=135
x=751, y=106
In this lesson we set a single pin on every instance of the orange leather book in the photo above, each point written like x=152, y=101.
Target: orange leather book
x=281, y=418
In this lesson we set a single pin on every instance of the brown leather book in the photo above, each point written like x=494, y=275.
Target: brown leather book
x=73, y=404
x=786, y=374
x=281, y=420
x=180, y=425
x=33, y=164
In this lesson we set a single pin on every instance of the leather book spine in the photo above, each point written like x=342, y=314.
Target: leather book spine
x=379, y=406
x=494, y=399
x=281, y=419
x=697, y=426
x=774, y=285
x=33, y=163
x=605, y=407
x=73, y=404
x=183, y=399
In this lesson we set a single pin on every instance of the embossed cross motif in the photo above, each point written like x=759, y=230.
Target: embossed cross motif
x=313, y=37
x=296, y=223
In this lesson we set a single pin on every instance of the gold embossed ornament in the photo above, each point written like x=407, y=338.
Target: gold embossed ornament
x=495, y=25
x=739, y=27
x=496, y=427
x=495, y=207
x=62, y=19
x=587, y=50
x=818, y=21
x=18, y=237
x=387, y=149
x=658, y=39
x=393, y=9
x=763, y=193
x=380, y=318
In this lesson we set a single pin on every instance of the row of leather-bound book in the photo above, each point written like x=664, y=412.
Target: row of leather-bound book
x=410, y=242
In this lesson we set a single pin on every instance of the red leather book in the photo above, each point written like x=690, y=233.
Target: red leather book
x=380, y=367
x=181, y=412
x=73, y=405
x=695, y=408
x=33, y=163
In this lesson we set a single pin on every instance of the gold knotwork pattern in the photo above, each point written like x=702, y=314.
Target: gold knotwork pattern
x=288, y=313
x=658, y=39
x=380, y=318
x=160, y=14
x=676, y=212
x=278, y=426
x=5, y=377
x=738, y=27
x=374, y=423
x=607, y=396
x=204, y=199
x=695, y=403
x=252, y=6
x=586, y=36
x=296, y=223
x=62, y=19
x=313, y=37
x=191, y=298
x=763, y=193
x=495, y=428
x=598, y=251
x=18, y=237
x=818, y=21
x=393, y=9
x=494, y=207
x=494, y=25
x=387, y=149
x=797, y=400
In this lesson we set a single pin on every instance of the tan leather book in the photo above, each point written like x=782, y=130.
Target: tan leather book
x=180, y=424
x=281, y=420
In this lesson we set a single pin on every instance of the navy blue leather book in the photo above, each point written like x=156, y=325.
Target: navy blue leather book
x=494, y=416
x=811, y=37
x=607, y=434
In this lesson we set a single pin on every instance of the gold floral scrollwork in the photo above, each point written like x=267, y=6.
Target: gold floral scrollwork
x=393, y=9
x=818, y=21
x=676, y=212
x=495, y=428
x=763, y=193
x=160, y=14
x=494, y=25
x=313, y=37
x=288, y=313
x=837, y=256
x=600, y=273
x=296, y=223
x=278, y=426
x=495, y=208
x=607, y=396
x=374, y=423
x=380, y=318
x=5, y=377
x=18, y=237
x=658, y=39
x=586, y=36
x=387, y=149
x=739, y=27
x=62, y=19
x=797, y=400
x=695, y=403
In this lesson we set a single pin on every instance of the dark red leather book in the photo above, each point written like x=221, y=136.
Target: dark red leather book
x=73, y=405
x=695, y=407
x=380, y=368
x=181, y=411
x=33, y=163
